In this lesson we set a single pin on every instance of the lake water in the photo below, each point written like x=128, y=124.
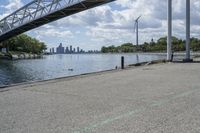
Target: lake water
x=55, y=66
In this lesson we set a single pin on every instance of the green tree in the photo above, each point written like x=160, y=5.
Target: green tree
x=24, y=43
x=159, y=46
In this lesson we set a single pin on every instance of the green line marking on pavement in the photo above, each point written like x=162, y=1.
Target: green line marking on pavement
x=133, y=112
x=109, y=120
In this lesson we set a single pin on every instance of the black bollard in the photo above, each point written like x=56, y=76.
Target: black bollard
x=172, y=56
x=122, y=62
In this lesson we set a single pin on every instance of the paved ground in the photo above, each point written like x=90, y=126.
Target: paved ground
x=150, y=99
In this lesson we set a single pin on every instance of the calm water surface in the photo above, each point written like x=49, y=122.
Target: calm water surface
x=54, y=66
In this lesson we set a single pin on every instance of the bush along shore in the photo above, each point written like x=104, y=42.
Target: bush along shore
x=154, y=46
x=22, y=47
x=19, y=55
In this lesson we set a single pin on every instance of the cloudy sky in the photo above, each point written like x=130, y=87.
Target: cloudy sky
x=112, y=24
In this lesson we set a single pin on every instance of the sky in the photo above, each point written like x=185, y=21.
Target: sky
x=113, y=23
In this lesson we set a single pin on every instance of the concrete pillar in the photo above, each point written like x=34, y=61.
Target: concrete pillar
x=187, y=45
x=169, y=37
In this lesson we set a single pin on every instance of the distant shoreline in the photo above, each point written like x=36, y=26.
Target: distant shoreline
x=143, y=53
x=23, y=55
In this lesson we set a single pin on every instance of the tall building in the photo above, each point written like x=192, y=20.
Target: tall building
x=67, y=50
x=60, y=49
x=78, y=50
x=53, y=51
x=74, y=50
x=71, y=49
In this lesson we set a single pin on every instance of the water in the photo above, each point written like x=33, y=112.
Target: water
x=55, y=66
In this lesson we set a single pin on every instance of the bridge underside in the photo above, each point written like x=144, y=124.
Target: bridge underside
x=78, y=7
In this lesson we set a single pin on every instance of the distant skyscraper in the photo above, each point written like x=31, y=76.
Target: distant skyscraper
x=70, y=49
x=50, y=50
x=67, y=50
x=78, y=50
x=74, y=50
x=53, y=51
x=60, y=49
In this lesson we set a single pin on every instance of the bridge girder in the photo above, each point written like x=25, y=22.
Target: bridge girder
x=40, y=12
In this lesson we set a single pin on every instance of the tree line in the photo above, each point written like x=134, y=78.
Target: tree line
x=24, y=43
x=159, y=46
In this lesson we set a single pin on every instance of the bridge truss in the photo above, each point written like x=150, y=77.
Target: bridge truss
x=40, y=12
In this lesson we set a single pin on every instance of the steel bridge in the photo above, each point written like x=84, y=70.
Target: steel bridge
x=40, y=12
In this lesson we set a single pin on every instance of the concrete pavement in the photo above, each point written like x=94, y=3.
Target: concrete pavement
x=148, y=99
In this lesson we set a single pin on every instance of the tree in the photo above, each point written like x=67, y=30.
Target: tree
x=24, y=43
x=159, y=46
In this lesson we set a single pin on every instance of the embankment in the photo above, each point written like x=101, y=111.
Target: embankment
x=19, y=55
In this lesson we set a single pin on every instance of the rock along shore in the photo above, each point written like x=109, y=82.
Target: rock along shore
x=19, y=55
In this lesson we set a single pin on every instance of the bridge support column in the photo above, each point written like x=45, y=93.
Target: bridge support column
x=187, y=45
x=169, y=37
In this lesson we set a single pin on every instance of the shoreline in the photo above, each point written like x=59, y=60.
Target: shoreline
x=19, y=56
x=177, y=54
x=130, y=66
x=23, y=55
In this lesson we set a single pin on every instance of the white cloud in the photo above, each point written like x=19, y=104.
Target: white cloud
x=12, y=5
x=49, y=32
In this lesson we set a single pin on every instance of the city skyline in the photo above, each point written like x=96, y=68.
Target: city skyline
x=69, y=49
